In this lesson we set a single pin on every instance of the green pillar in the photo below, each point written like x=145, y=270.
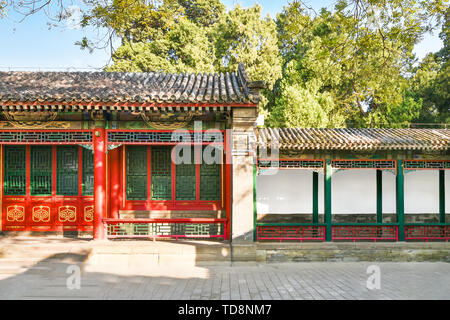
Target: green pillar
x=255, y=215
x=442, y=196
x=400, y=184
x=379, y=196
x=315, y=197
x=327, y=185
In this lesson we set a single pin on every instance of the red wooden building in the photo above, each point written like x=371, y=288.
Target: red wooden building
x=80, y=150
x=98, y=153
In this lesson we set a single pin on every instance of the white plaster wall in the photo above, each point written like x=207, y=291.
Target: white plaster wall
x=447, y=191
x=422, y=191
x=354, y=192
x=286, y=192
x=389, y=192
x=321, y=194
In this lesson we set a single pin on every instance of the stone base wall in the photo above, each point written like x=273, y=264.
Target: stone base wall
x=350, y=218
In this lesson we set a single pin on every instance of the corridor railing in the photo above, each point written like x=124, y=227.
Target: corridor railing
x=351, y=231
x=165, y=228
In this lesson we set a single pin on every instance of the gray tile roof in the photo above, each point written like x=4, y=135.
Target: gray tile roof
x=355, y=139
x=129, y=88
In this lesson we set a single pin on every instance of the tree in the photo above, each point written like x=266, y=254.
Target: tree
x=358, y=55
x=244, y=36
x=431, y=81
x=198, y=36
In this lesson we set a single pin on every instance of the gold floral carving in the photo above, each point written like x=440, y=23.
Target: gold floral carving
x=89, y=213
x=67, y=214
x=168, y=121
x=15, y=213
x=34, y=120
x=41, y=214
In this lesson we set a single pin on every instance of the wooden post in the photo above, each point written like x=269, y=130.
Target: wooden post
x=400, y=188
x=99, y=182
x=379, y=196
x=442, y=196
x=327, y=185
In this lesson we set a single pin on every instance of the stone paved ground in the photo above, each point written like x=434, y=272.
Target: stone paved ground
x=337, y=280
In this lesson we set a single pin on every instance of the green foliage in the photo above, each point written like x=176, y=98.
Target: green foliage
x=243, y=36
x=431, y=81
x=2, y=8
x=351, y=66
x=191, y=36
x=351, y=63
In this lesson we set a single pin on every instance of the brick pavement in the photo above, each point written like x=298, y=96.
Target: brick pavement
x=37, y=269
x=336, y=280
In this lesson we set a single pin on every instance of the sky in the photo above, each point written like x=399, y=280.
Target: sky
x=30, y=45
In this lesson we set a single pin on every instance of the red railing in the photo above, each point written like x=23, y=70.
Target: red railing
x=364, y=232
x=427, y=232
x=166, y=228
x=282, y=232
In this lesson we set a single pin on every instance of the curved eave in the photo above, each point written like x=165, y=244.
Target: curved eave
x=115, y=106
x=316, y=148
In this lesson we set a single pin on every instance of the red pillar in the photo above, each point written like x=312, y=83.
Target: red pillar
x=99, y=183
x=228, y=182
x=114, y=202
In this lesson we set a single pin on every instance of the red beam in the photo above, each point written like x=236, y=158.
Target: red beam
x=164, y=220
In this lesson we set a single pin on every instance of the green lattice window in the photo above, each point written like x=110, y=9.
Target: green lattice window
x=41, y=165
x=185, y=178
x=15, y=170
x=67, y=171
x=88, y=172
x=161, y=169
x=136, y=172
x=210, y=179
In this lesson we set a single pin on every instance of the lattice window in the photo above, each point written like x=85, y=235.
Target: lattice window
x=185, y=178
x=437, y=165
x=136, y=172
x=80, y=137
x=15, y=170
x=288, y=164
x=163, y=136
x=363, y=164
x=41, y=165
x=161, y=169
x=165, y=229
x=67, y=171
x=88, y=172
x=210, y=179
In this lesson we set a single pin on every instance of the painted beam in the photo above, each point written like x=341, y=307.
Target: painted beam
x=379, y=196
x=442, y=196
x=327, y=185
x=400, y=200
x=315, y=197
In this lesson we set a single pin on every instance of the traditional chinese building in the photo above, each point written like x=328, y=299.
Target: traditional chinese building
x=93, y=152
x=353, y=184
